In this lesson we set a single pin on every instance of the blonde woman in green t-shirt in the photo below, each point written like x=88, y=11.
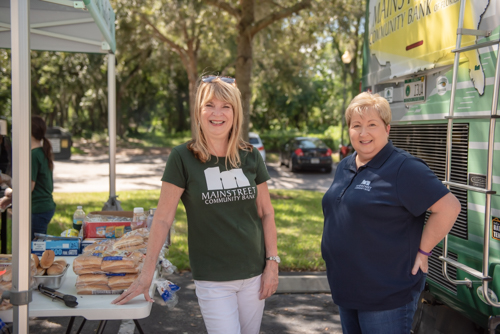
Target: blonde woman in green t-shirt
x=221, y=181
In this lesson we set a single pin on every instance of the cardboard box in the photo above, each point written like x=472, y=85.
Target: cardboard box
x=106, y=229
x=60, y=245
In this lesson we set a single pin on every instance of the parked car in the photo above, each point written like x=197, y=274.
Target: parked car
x=302, y=153
x=258, y=144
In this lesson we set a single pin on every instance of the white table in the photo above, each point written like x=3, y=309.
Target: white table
x=91, y=307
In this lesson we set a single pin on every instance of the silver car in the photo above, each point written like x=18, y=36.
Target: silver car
x=257, y=143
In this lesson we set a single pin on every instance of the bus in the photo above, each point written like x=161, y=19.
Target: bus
x=436, y=63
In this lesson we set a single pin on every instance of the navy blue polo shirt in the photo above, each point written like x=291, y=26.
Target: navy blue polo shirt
x=374, y=217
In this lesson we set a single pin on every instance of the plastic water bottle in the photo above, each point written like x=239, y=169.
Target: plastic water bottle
x=139, y=219
x=78, y=218
x=149, y=221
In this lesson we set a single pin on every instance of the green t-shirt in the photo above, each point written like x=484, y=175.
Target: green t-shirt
x=41, y=197
x=225, y=235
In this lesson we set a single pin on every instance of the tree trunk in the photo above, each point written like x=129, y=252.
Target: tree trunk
x=243, y=79
x=192, y=71
x=192, y=100
x=247, y=28
x=244, y=61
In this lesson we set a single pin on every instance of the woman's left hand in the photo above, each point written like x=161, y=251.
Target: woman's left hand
x=269, y=281
x=422, y=262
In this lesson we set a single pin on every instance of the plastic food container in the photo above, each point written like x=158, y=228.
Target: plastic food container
x=52, y=281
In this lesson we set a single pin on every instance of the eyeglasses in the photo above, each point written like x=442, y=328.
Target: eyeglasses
x=210, y=78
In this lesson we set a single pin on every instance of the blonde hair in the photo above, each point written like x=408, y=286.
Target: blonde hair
x=228, y=93
x=363, y=102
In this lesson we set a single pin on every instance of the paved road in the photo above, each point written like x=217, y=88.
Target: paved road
x=91, y=174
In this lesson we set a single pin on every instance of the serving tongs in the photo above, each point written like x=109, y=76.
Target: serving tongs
x=68, y=300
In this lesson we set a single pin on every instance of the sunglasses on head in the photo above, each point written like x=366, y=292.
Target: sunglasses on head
x=210, y=78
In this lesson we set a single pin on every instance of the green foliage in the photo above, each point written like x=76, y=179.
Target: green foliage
x=297, y=79
x=5, y=84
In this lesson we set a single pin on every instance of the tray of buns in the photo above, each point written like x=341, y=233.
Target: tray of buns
x=52, y=281
x=49, y=271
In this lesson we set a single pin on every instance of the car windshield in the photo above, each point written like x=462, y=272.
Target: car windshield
x=311, y=143
x=254, y=141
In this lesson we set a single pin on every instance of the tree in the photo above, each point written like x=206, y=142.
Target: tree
x=247, y=26
x=346, y=27
x=184, y=26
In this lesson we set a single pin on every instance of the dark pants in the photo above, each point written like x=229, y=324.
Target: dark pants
x=395, y=321
x=40, y=221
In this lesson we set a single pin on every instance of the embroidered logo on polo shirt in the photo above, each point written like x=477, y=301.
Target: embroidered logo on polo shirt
x=228, y=186
x=364, y=185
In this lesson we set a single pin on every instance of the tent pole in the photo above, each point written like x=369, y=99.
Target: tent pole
x=112, y=124
x=21, y=154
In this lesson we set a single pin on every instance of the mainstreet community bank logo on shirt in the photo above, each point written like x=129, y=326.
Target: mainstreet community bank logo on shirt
x=228, y=186
x=365, y=185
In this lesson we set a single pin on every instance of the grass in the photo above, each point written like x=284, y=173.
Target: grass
x=299, y=222
x=76, y=150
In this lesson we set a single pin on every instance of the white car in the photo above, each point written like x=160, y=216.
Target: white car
x=257, y=143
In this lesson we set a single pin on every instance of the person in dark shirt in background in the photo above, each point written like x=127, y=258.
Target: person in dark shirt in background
x=42, y=186
x=374, y=242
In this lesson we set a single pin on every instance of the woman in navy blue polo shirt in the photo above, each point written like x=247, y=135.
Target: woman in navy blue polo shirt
x=374, y=244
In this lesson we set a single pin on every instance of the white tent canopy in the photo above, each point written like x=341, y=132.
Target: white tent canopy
x=51, y=25
x=61, y=25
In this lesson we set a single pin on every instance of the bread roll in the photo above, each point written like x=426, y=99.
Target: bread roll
x=61, y=261
x=55, y=269
x=134, y=248
x=91, y=279
x=125, y=263
x=129, y=241
x=32, y=267
x=47, y=259
x=36, y=259
x=86, y=261
x=92, y=289
x=123, y=270
x=87, y=270
x=40, y=271
x=126, y=280
x=101, y=245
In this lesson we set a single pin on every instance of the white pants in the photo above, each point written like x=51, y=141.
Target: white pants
x=231, y=307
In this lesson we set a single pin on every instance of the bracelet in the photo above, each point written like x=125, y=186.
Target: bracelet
x=425, y=253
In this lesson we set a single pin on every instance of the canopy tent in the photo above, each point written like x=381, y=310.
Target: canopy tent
x=51, y=25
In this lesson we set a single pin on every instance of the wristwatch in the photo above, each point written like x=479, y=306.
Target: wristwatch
x=274, y=258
